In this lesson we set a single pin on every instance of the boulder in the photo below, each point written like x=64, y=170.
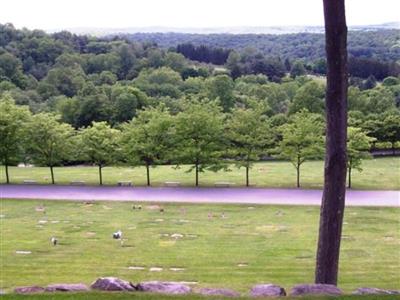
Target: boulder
x=112, y=284
x=218, y=292
x=163, y=287
x=315, y=289
x=374, y=291
x=267, y=290
x=65, y=287
x=28, y=289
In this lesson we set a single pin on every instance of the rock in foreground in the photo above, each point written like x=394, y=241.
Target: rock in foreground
x=112, y=284
x=64, y=287
x=315, y=289
x=163, y=287
x=267, y=290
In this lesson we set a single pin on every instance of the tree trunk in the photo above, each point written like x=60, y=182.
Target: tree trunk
x=52, y=175
x=349, y=186
x=148, y=174
x=298, y=176
x=7, y=177
x=393, y=148
x=100, y=175
x=333, y=198
x=197, y=174
x=247, y=176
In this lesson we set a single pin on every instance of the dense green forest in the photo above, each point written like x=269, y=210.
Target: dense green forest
x=252, y=106
x=368, y=50
x=380, y=44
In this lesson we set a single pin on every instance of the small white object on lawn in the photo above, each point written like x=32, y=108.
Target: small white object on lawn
x=54, y=241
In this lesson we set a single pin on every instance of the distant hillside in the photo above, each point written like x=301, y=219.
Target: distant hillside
x=376, y=43
x=98, y=31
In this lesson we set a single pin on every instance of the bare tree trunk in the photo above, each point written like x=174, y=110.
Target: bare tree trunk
x=52, y=175
x=333, y=199
x=7, y=176
x=298, y=176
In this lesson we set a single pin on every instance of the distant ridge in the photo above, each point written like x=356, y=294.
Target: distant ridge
x=220, y=30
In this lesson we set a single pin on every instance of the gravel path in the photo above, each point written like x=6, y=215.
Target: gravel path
x=195, y=195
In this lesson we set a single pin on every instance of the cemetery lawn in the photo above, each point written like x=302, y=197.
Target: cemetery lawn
x=125, y=296
x=377, y=174
x=249, y=245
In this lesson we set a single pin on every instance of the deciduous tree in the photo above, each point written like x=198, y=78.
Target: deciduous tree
x=199, y=136
x=50, y=142
x=358, y=144
x=249, y=134
x=147, y=139
x=99, y=145
x=302, y=139
x=13, y=125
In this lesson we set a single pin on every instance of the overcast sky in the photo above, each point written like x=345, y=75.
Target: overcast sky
x=58, y=14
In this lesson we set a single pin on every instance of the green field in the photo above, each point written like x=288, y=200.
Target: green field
x=250, y=245
x=382, y=173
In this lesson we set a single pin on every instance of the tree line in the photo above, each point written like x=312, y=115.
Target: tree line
x=200, y=134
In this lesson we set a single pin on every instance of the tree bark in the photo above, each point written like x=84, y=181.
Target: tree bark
x=100, y=175
x=148, y=174
x=333, y=198
x=298, y=176
x=7, y=176
x=52, y=175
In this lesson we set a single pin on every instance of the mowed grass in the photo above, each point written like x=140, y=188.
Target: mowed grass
x=382, y=173
x=249, y=245
x=141, y=296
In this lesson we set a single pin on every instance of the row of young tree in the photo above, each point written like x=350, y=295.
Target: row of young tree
x=200, y=134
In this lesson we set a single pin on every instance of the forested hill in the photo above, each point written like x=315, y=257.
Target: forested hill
x=95, y=83
x=383, y=45
x=84, y=79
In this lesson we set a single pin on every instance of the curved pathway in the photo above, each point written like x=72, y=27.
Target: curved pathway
x=195, y=195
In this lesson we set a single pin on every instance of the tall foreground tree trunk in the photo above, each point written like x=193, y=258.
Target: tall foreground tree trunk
x=333, y=199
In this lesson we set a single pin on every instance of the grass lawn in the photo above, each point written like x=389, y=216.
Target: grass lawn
x=250, y=245
x=382, y=173
x=124, y=296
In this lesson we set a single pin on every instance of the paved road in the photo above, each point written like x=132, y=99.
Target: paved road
x=195, y=195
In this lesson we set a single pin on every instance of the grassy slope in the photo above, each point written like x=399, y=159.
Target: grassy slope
x=382, y=173
x=277, y=243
